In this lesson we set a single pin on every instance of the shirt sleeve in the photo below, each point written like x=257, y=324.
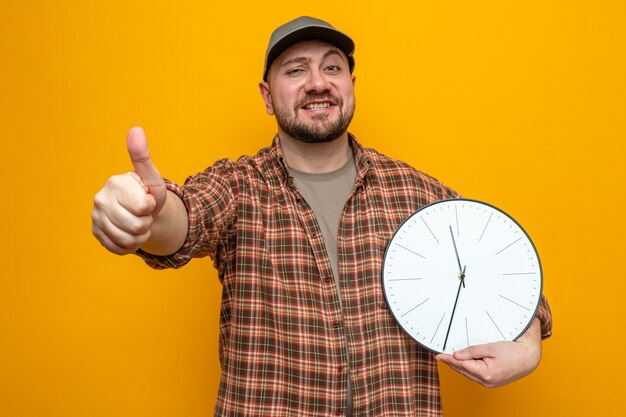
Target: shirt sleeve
x=545, y=318
x=209, y=198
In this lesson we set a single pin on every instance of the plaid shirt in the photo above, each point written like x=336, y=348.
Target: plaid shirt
x=283, y=334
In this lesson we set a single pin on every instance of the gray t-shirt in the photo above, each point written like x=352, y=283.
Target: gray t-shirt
x=327, y=195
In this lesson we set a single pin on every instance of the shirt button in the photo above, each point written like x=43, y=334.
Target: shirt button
x=336, y=323
x=340, y=368
x=338, y=412
x=327, y=278
x=313, y=235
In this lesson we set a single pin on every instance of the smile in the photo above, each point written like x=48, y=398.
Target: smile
x=316, y=106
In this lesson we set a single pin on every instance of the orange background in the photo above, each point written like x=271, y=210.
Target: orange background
x=521, y=104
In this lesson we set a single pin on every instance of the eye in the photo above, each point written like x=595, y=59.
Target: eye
x=295, y=71
x=332, y=68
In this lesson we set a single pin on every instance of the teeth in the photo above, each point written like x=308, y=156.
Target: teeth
x=316, y=106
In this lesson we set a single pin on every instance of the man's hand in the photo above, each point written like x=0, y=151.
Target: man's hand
x=496, y=364
x=126, y=208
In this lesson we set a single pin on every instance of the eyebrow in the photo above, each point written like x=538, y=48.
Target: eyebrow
x=302, y=59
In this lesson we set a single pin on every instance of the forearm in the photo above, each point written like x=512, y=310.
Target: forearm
x=169, y=230
x=532, y=339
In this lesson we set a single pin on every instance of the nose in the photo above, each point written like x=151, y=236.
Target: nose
x=316, y=81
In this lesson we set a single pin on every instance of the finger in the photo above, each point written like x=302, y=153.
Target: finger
x=473, y=374
x=472, y=369
x=109, y=244
x=444, y=357
x=121, y=238
x=137, y=178
x=122, y=195
x=106, y=241
x=453, y=362
x=132, y=204
x=131, y=223
x=140, y=156
x=476, y=352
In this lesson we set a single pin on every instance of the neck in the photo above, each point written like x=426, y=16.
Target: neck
x=315, y=158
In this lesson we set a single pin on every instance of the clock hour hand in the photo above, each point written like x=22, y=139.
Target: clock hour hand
x=462, y=277
x=456, y=252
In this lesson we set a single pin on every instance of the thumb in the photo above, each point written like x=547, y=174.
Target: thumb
x=140, y=157
x=475, y=352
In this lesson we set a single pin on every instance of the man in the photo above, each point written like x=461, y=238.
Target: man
x=297, y=233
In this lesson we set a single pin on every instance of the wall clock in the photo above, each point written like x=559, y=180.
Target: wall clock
x=461, y=272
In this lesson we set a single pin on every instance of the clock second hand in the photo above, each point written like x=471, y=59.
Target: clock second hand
x=462, y=276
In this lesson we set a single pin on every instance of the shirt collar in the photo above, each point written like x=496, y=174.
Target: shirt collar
x=361, y=159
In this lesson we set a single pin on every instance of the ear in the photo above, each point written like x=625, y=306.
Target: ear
x=353, y=81
x=264, y=89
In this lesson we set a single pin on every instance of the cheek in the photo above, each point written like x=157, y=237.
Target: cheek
x=347, y=92
x=348, y=99
x=285, y=101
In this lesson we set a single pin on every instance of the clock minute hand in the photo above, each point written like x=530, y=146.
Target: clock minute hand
x=456, y=252
x=456, y=300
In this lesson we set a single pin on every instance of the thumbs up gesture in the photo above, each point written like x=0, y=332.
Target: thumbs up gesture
x=126, y=208
x=146, y=172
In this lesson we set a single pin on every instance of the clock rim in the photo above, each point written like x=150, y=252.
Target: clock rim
x=449, y=200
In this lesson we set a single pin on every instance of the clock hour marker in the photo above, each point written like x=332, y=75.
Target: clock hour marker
x=437, y=329
x=521, y=273
x=494, y=323
x=506, y=247
x=414, y=307
x=413, y=252
x=485, y=228
x=404, y=279
x=517, y=304
x=431, y=232
x=466, y=332
x=456, y=214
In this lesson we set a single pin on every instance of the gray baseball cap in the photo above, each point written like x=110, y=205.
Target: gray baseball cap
x=306, y=28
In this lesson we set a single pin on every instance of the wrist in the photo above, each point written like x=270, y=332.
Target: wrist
x=169, y=228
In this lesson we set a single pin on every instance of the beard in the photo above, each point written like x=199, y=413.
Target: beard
x=321, y=130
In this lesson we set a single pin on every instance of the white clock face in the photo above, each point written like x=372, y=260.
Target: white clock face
x=461, y=272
